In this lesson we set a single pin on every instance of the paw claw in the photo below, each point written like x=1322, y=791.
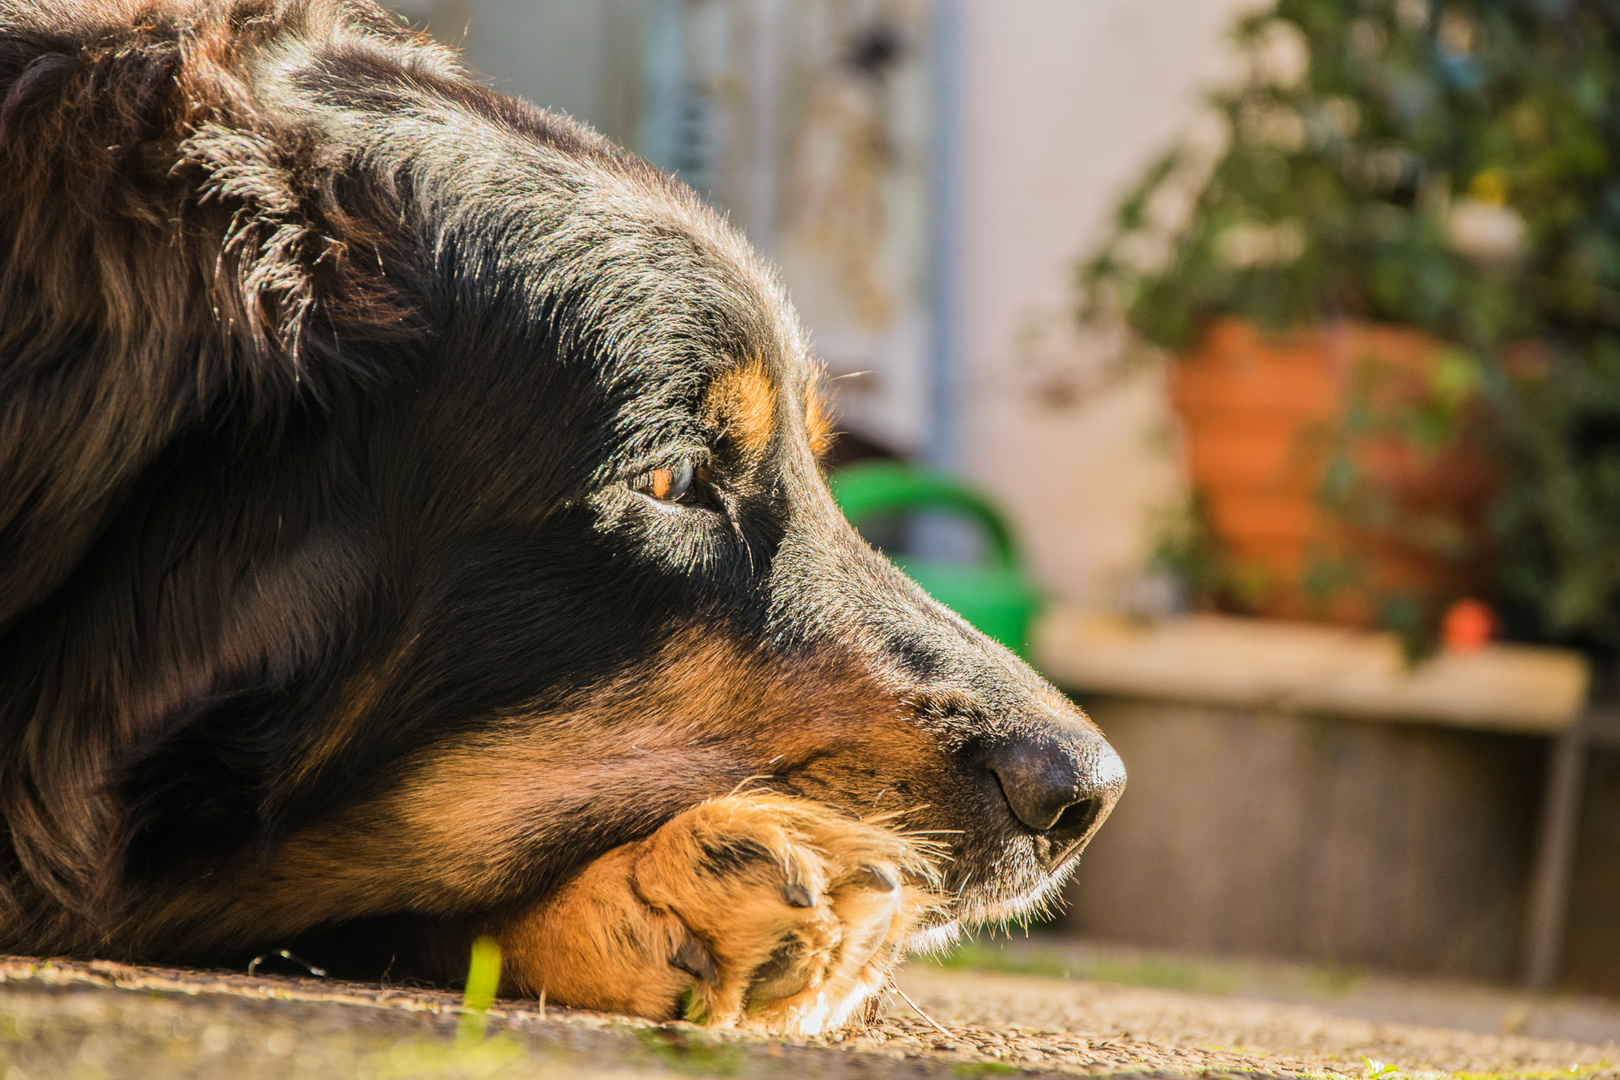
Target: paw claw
x=692, y=958
x=881, y=878
x=782, y=976
x=798, y=896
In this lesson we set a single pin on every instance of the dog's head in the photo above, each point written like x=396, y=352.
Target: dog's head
x=478, y=519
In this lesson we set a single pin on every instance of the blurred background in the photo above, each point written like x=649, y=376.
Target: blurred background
x=1255, y=370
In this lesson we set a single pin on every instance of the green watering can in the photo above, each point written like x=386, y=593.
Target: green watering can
x=998, y=598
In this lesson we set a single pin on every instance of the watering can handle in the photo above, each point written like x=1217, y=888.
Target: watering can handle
x=864, y=490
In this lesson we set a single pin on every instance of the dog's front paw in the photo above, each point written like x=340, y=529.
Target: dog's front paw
x=795, y=914
x=751, y=909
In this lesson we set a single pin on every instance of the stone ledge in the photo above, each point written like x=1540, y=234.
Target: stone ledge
x=1298, y=667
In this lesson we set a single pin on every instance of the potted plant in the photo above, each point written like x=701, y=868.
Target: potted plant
x=1416, y=216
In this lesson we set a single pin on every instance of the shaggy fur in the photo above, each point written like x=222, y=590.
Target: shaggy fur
x=350, y=593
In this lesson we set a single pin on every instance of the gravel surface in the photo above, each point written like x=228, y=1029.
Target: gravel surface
x=69, y=1020
x=1129, y=1028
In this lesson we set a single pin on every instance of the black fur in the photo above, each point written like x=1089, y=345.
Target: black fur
x=326, y=375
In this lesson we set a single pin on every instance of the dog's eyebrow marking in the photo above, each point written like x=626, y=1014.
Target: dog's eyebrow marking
x=743, y=403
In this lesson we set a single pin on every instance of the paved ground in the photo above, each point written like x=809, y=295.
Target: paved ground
x=61, y=1021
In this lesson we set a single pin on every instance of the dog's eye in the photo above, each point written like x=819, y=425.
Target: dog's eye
x=670, y=484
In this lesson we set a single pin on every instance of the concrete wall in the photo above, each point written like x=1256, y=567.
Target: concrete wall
x=1399, y=847
x=1348, y=843
x=1591, y=955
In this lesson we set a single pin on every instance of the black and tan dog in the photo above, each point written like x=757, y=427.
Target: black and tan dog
x=411, y=528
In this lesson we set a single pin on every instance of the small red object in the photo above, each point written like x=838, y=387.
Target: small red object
x=1469, y=624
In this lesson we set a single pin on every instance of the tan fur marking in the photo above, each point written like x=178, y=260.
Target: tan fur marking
x=818, y=418
x=743, y=402
x=633, y=733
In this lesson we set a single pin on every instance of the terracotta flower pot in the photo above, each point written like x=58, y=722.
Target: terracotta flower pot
x=1262, y=417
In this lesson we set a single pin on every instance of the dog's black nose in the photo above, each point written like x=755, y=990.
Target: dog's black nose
x=1060, y=781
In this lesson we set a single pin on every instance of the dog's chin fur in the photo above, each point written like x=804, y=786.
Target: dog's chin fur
x=346, y=578
x=956, y=914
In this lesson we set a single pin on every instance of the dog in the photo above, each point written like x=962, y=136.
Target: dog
x=412, y=529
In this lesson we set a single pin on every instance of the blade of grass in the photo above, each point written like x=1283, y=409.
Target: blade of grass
x=483, y=980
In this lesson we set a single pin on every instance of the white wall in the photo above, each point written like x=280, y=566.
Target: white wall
x=1066, y=101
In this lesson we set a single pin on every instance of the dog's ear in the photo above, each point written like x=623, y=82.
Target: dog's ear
x=169, y=258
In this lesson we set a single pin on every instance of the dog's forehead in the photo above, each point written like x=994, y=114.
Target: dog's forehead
x=681, y=309
x=514, y=194
x=617, y=265
x=707, y=333
x=692, y=292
